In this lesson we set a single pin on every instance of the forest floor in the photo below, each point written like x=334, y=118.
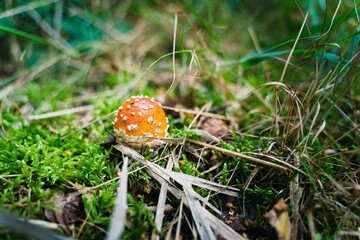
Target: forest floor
x=263, y=103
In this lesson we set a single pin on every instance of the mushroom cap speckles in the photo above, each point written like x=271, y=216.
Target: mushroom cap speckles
x=139, y=118
x=150, y=120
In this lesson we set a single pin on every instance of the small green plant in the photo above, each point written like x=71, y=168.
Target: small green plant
x=141, y=174
x=224, y=175
x=187, y=167
x=264, y=196
x=179, y=133
x=141, y=220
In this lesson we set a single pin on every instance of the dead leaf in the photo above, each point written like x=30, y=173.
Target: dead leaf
x=68, y=209
x=215, y=127
x=108, y=142
x=141, y=186
x=279, y=219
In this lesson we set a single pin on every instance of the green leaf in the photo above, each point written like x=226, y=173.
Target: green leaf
x=202, y=21
x=25, y=35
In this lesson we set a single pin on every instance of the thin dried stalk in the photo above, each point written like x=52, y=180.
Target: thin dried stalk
x=236, y=154
x=161, y=204
x=61, y=112
x=117, y=224
x=206, y=114
x=197, y=211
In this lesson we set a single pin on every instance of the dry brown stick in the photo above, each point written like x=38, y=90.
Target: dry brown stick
x=10, y=175
x=91, y=224
x=61, y=112
x=213, y=167
x=83, y=224
x=2, y=178
x=207, y=114
x=236, y=154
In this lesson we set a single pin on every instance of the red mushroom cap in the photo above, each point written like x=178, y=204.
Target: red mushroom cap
x=138, y=119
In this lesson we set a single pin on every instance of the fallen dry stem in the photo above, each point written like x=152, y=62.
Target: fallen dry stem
x=84, y=222
x=61, y=112
x=236, y=154
x=159, y=216
x=206, y=114
x=213, y=167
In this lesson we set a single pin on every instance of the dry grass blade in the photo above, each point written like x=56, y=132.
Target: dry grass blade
x=203, y=183
x=10, y=175
x=161, y=172
x=84, y=223
x=345, y=116
x=280, y=161
x=188, y=179
x=348, y=233
x=178, y=227
x=345, y=134
x=306, y=139
x=161, y=204
x=236, y=154
x=178, y=177
x=295, y=202
x=5, y=180
x=168, y=228
x=45, y=224
x=61, y=112
x=175, y=190
x=206, y=114
x=25, y=8
x=247, y=184
x=171, y=188
x=315, y=117
x=221, y=228
x=174, y=44
x=197, y=211
x=321, y=128
x=117, y=224
x=206, y=106
x=206, y=135
x=293, y=48
x=213, y=167
x=332, y=20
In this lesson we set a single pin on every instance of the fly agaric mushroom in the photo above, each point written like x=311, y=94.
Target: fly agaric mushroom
x=138, y=119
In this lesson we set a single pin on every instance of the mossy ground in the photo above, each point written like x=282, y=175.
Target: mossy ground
x=230, y=58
